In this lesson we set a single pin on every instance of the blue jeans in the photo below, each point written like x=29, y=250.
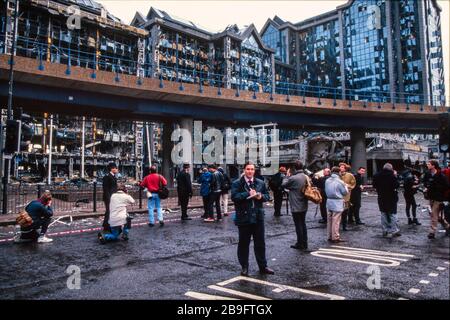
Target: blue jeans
x=389, y=223
x=115, y=233
x=153, y=202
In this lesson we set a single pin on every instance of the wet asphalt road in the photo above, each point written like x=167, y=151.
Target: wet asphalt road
x=189, y=257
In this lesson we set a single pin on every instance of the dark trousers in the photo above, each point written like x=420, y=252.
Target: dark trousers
x=245, y=234
x=353, y=212
x=277, y=202
x=323, y=209
x=410, y=204
x=31, y=232
x=344, y=218
x=106, y=226
x=206, y=206
x=214, y=199
x=300, y=228
x=184, y=201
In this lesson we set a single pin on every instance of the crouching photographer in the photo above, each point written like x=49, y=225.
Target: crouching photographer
x=34, y=221
x=119, y=220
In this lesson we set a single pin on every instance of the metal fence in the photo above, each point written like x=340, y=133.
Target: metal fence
x=66, y=199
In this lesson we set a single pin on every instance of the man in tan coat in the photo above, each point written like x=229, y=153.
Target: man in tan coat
x=350, y=182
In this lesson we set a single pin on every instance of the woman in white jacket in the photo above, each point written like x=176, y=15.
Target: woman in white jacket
x=118, y=216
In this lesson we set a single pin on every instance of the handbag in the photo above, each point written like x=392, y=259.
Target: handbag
x=163, y=192
x=312, y=193
x=24, y=220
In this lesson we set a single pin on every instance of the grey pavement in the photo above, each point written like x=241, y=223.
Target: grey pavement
x=195, y=260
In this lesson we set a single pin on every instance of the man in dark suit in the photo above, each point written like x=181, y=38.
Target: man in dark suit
x=275, y=185
x=355, y=198
x=184, y=189
x=248, y=195
x=109, y=187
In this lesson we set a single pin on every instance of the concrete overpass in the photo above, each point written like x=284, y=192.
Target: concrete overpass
x=48, y=87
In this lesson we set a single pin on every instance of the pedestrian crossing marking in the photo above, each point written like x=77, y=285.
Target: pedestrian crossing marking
x=432, y=274
x=364, y=256
x=281, y=287
x=440, y=268
x=220, y=286
x=238, y=293
x=413, y=290
x=204, y=296
x=424, y=282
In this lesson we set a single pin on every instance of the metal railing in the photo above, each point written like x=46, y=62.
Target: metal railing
x=69, y=199
x=71, y=57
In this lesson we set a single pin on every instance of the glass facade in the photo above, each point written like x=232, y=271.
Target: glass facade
x=409, y=37
x=415, y=76
x=366, y=51
x=274, y=39
x=435, y=62
x=320, y=56
x=256, y=66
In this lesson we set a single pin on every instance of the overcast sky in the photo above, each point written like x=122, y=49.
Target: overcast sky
x=216, y=15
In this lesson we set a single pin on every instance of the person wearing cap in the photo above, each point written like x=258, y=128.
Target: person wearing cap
x=275, y=185
x=350, y=182
x=41, y=213
x=119, y=220
x=109, y=185
x=184, y=190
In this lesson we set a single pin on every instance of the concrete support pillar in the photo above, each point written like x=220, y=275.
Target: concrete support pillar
x=358, y=149
x=167, y=170
x=188, y=124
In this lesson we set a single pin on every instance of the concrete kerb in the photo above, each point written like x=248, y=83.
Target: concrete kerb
x=78, y=216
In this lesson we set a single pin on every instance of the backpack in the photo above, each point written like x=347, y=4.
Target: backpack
x=226, y=183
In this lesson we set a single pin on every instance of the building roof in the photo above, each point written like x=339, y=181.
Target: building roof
x=187, y=26
x=281, y=24
x=92, y=6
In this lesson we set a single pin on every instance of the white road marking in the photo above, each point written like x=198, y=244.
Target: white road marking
x=360, y=255
x=238, y=293
x=377, y=251
x=204, y=296
x=402, y=299
x=278, y=290
x=432, y=274
x=424, y=281
x=447, y=262
x=440, y=268
x=414, y=290
x=282, y=287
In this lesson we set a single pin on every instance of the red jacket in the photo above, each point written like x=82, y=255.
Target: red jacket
x=152, y=182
